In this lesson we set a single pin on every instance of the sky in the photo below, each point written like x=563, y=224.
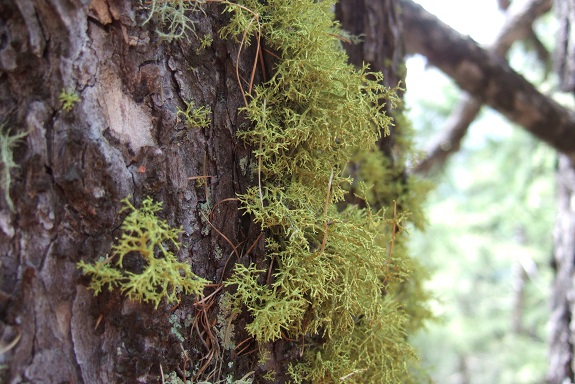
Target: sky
x=480, y=19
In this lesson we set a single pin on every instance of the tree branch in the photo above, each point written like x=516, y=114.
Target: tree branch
x=518, y=26
x=488, y=78
x=448, y=141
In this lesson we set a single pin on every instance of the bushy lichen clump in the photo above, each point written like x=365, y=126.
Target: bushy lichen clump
x=7, y=163
x=68, y=99
x=145, y=237
x=333, y=270
x=339, y=286
x=172, y=17
x=195, y=117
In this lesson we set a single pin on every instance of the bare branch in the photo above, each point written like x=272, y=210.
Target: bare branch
x=489, y=78
x=448, y=141
x=518, y=26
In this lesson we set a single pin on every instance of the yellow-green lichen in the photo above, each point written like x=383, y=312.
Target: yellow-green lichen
x=7, y=144
x=147, y=238
x=334, y=270
x=195, y=117
x=205, y=42
x=340, y=281
x=68, y=99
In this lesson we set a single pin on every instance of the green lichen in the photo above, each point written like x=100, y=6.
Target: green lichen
x=179, y=325
x=195, y=117
x=146, y=238
x=271, y=309
x=68, y=99
x=173, y=378
x=205, y=42
x=204, y=210
x=244, y=161
x=7, y=144
x=335, y=273
x=172, y=18
x=341, y=279
x=225, y=327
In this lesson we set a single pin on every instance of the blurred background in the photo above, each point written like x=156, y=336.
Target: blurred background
x=489, y=239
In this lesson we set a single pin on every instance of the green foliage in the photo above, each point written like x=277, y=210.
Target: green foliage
x=490, y=246
x=145, y=238
x=196, y=117
x=68, y=99
x=7, y=144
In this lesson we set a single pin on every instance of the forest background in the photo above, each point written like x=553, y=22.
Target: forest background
x=489, y=240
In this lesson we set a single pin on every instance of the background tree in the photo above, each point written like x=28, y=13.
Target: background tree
x=451, y=54
x=562, y=340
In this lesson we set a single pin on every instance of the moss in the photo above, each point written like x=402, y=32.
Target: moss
x=7, y=144
x=146, y=238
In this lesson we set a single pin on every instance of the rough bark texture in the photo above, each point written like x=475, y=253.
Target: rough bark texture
x=378, y=25
x=518, y=26
x=123, y=138
x=488, y=78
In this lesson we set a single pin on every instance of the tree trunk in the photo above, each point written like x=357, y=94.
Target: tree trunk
x=122, y=138
x=379, y=29
x=111, y=110
x=562, y=302
x=562, y=335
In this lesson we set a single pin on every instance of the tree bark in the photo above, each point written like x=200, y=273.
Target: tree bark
x=488, y=78
x=123, y=138
x=381, y=46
